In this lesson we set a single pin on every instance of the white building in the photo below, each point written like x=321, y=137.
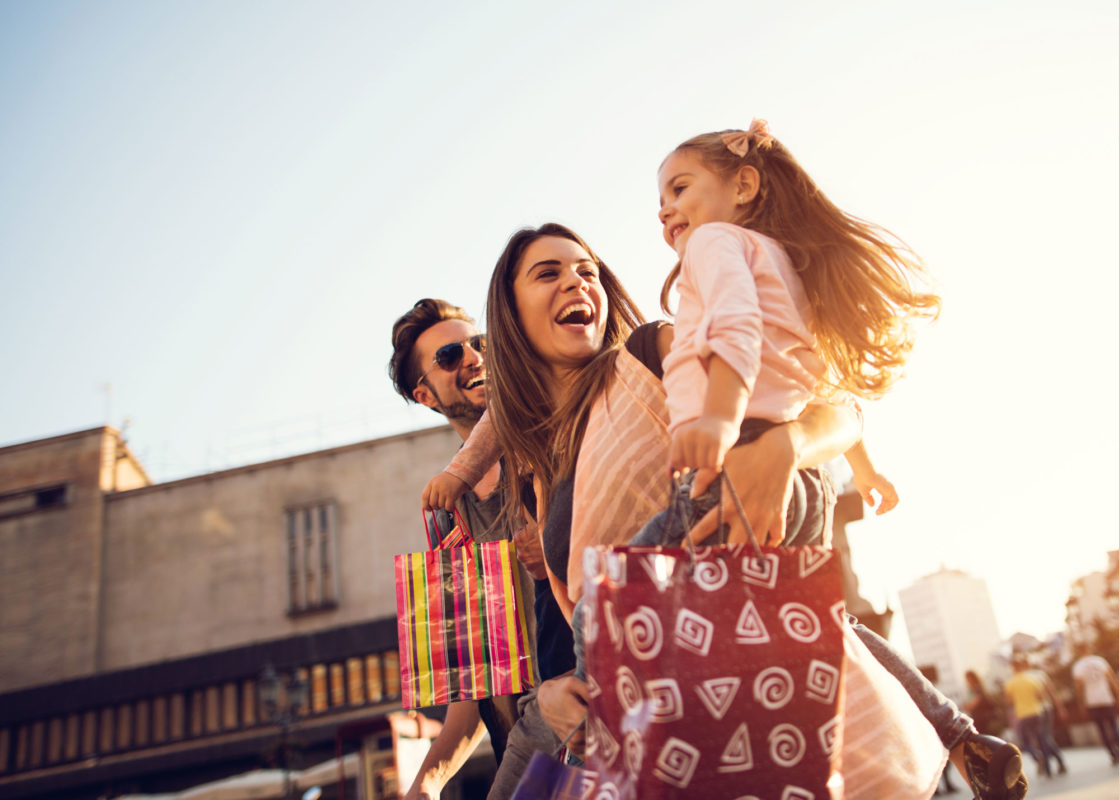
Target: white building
x=951, y=626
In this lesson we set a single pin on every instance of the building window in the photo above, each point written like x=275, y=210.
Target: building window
x=29, y=500
x=312, y=545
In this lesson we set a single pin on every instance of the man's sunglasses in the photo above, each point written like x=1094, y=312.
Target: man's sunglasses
x=449, y=356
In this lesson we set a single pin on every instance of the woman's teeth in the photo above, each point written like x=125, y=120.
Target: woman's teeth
x=581, y=314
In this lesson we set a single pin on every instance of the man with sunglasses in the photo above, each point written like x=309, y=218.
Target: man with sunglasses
x=438, y=360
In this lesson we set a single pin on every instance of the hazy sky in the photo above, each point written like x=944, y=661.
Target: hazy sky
x=218, y=209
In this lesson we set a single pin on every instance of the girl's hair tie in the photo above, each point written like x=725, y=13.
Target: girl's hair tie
x=738, y=142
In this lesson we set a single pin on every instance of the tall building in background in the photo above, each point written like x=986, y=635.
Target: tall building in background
x=951, y=626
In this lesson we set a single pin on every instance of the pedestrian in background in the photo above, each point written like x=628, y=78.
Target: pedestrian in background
x=1097, y=692
x=1027, y=693
x=985, y=709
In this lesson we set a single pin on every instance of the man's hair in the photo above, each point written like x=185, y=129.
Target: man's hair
x=404, y=368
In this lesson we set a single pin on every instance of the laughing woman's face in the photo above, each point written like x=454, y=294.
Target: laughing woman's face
x=560, y=302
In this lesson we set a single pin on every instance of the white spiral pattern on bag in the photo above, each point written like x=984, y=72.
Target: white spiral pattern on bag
x=761, y=571
x=750, y=629
x=607, y=791
x=665, y=702
x=587, y=783
x=593, y=689
x=615, y=568
x=812, y=558
x=676, y=763
x=644, y=635
x=797, y=793
x=633, y=752
x=592, y=565
x=737, y=756
x=590, y=622
x=800, y=622
x=607, y=745
x=822, y=682
x=659, y=567
x=711, y=576
x=694, y=632
x=829, y=735
x=773, y=688
x=717, y=694
x=786, y=745
x=610, y=619
x=628, y=689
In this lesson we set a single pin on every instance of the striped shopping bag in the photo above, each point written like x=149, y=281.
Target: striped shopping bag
x=462, y=625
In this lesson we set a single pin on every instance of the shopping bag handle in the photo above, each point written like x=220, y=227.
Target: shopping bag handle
x=726, y=485
x=558, y=752
x=674, y=500
x=434, y=542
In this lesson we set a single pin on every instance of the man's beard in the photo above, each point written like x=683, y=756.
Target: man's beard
x=462, y=411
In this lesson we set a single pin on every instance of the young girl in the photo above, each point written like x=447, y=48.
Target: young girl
x=783, y=296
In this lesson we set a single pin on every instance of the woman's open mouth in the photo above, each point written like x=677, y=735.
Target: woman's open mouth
x=581, y=313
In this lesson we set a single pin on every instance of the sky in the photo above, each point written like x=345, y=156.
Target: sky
x=211, y=213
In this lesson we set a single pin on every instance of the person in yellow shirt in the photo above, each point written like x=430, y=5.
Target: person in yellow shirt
x=1027, y=694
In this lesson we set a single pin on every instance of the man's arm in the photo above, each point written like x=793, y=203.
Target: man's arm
x=462, y=731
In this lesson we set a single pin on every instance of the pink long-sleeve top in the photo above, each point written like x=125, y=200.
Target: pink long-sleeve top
x=741, y=299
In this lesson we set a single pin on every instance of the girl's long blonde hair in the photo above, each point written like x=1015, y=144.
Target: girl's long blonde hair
x=537, y=437
x=861, y=281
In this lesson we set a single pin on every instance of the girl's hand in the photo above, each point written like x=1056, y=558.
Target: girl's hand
x=867, y=485
x=702, y=443
x=442, y=491
x=762, y=473
x=563, y=705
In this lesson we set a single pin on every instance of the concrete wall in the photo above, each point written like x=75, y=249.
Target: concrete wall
x=50, y=561
x=201, y=564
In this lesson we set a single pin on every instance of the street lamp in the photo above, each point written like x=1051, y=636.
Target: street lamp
x=280, y=704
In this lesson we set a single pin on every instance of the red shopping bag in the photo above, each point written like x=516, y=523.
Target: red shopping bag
x=714, y=673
